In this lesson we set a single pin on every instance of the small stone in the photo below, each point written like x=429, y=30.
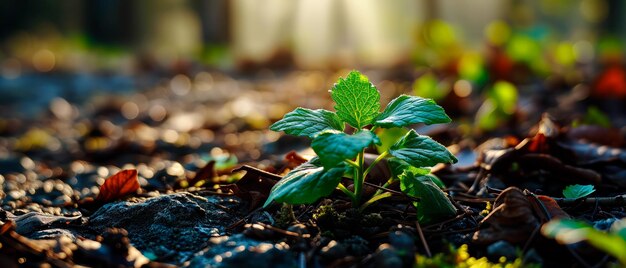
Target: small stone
x=402, y=241
x=501, y=249
x=258, y=231
x=332, y=251
x=387, y=256
x=298, y=228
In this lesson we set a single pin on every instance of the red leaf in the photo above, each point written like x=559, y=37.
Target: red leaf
x=611, y=83
x=538, y=144
x=553, y=207
x=119, y=185
x=546, y=132
x=293, y=159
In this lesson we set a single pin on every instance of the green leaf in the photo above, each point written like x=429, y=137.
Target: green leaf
x=610, y=243
x=306, y=184
x=578, y=191
x=568, y=231
x=421, y=151
x=307, y=122
x=397, y=167
x=504, y=95
x=498, y=107
x=334, y=147
x=408, y=110
x=357, y=100
x=389, y=136
x=434, y=204
x=595, y=116
x=437, y=181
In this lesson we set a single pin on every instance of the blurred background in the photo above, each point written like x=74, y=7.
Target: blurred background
x=101, y=75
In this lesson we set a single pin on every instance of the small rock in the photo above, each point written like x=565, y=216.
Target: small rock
x=532, y=257
x=356, y=246
x=387, y=256
x=332, y=251
x=240, y=251
x=258, y=231
x=402, y=240
x=501, y=249
x=298, y=228
x=177, y=223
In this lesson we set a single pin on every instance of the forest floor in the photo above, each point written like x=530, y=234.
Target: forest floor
x=175, y=174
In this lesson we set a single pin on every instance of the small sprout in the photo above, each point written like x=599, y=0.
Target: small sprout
x=578, y=191
x=341, y=154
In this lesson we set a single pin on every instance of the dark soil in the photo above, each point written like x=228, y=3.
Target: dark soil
x=193, y=210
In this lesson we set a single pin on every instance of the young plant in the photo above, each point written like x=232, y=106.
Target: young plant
x=578, y=191
x=339, y=154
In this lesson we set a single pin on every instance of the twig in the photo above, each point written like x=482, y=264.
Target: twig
x=424, y=242
x=615, y=201
x=242, y=220
x=283, y=232
x=440, y=233
x=441, y=224
x=259, y=172
x=531, y=239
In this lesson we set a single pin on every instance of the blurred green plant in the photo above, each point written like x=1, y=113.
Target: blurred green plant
x=428, y=86
x=472, y=68
x=568, y=231
x=460, y=257
x=594, y=116
x=498, y=107
x=357, y=103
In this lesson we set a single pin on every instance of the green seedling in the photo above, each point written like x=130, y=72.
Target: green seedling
x=341, y=154
x=578, y=191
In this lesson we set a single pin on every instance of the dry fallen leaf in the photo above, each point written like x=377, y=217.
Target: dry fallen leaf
x=512, y=219
x=255, y=186
x=552, y=207
x=206, y=173
x=119, y=185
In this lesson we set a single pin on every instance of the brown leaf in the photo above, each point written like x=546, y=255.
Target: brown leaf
x=293, y=159
x=255, y=185
x=558, y=169
x=204, y=174
x=597, y=134
x=512, y=219
x=552, y=207
x=119, y=185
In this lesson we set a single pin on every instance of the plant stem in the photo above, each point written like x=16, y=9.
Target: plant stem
x=359, y=178
x=374, y=199
x=380, y=157
x=346, y=191
x=351, y=163
x=389, y=182
x=378, y=195
x=289, y=209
